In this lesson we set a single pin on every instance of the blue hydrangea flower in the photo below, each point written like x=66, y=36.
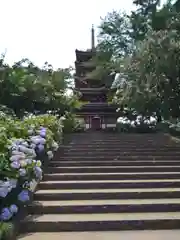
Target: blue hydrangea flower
x=14, y=158
x=29, y=161
x=13, y=208
x=6, y=214
x=15, y=164
x=22, y=172
x=4, y=192
x=13, y=182
x=38, y=172
x=40, y=148
x=23, y=196
x=42, y=132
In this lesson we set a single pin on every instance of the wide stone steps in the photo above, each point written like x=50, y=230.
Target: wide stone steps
x=125, y=148
x=102, y=221
x=114, y=169
x=105, y=206
x=116, y=157
x=115, y=235
x=123, y=154
x=106, y=182
x=119, y=145
x=111, y=184
x=85, y=194
x=114, y=163
x=111, y=176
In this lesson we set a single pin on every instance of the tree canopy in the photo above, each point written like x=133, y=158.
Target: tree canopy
x=25, y=87
x=144, y=48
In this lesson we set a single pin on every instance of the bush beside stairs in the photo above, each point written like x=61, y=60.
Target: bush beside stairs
x=109, y=182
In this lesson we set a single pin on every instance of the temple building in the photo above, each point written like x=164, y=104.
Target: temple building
x=96, y=111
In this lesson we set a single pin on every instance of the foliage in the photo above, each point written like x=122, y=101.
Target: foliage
x=114, y=35
x=6, y=230
x=71, y=123
x=152, y=76
x=144, y=18
x=26, y=88
x=173, y=126
x=144, y=49
x=23, y=147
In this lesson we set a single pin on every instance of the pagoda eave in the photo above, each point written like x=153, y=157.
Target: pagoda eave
x=88, y=65
x=98, y=106
x=99, y=113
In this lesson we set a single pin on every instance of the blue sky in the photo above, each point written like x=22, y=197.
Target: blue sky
x=51, y=30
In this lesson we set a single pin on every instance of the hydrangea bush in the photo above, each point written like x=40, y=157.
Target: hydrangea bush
x=21, y=145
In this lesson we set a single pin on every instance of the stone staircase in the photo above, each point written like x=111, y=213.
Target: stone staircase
x=109, y=182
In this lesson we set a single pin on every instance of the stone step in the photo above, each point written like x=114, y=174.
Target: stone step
x=86, y=194
x=122, y=153
x=127, y=139
x=105, y=206
x=114, y=169
x=59, y=163
x=124, y=149
x=137, y=143
x=117, y=157
x=111, y=184
x=110, y=176
x=121, y=137
x=121, y=145
x=115, y=235
x=101, y=222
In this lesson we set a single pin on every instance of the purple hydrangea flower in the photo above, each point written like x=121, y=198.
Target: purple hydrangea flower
x=38, y=172
x=43, y=129
x=22, y=172
x=29, y=161
x=24, y=196
x=40, y=148
x=42, y=132
x=14, y=158
x=23, y=149
x=15, y=164
x=13, y=182
x=32, y=145
x=3, y=192
x=6, y=214
x=13, y=208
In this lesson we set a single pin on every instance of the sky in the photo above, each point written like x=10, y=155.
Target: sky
x=51, y=30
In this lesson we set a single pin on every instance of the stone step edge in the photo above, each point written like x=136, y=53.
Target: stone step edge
x=128, y=190
x=62, y=203
x=105, y=217
x=113, y=181
x=111, y=173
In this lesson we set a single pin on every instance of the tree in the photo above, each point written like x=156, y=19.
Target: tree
x=114, y=34
x=26, y=88
x=152, y=76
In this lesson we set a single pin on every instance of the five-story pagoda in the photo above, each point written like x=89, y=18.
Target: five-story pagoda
x=96, y=111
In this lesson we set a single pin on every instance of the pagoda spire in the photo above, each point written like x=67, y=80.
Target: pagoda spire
x=92, y=38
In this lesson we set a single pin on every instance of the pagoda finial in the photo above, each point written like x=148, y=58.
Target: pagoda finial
x=92, y=38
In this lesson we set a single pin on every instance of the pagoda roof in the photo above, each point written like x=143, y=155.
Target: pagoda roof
x=97, y=89
x=84, y=56
x=98, y=106
x=84, y=78
x=92, y=91
x=85, y=52
x=86, y=64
